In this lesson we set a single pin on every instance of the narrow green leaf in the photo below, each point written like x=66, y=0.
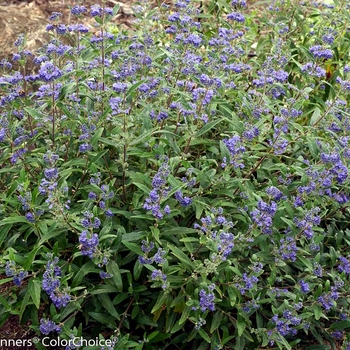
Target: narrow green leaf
x=240, y=324
x=340, y=325
x=185, y=315
x=317, y=312
x=103, y=318
x=216, y=321
x=34, y=287
x=159, y=303
x=108, y=305
x=113, y=269
x=100, y=289
x=181, y=256
x=30, y=258
x=204, y=335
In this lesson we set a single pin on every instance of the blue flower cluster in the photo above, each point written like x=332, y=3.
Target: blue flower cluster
x=48, y=326
x=247, y=283
x=86, y=135
x=48, y=184
x=250, y=306
x=313, y=69
x=236, y=149
x=319, y=51
x=304, y=286
x=184, y=201
x=101, y=196
x=207, y=299
x=286, y=325
x=263, y=215
x=306, y=224
x=328, y=300
x=157, y=258
x=78, y=10
x=51, y=283
x=236, y=16
x=159, y=276
x=18, y=275
x=48, y=72
x=98, y=11
x=159, y=191
x=215, y=226
x=25, y=198
x=88, y=243
x=288, y=249
x=281, y=128
x=344, y=265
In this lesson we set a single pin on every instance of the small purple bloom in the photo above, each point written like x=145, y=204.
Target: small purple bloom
x=48, y=326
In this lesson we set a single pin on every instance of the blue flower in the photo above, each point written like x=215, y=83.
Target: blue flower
x=236, y=149
x=235, y=16
x=304, y=286
x=78, y=10
x=206, y=300
x=55, y=15
x=344, y=265
x=48, y=326
x=51, y=284
x=158, y=275
x=262, y=216
x=49, y=72
x=105, y=275
x=319, y=52
x=184, y=201
x=88, y=243
x=30, y=217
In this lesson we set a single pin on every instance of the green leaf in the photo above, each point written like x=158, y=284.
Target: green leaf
x=30, y=258
x=186, y=312
x=34, y=287
x=34, y=113
x=207, y=127
x=142, y=187
x=134, y=87
x=100, y=289
x=181, y=256
x=314, y=150
x=340, y=325
x=51, y=234
x=134, y=247
x=142, y=319
x=240, y=324
x=113, y=269
x=4, y=231
x=103, y=318
x=84, y=270
x=132, y=236
x=120, y=298
x=116, y=9
x=159, y=303
x=108, y=305
x=315, y=116
x=204, y=335
x=13, y=220
x=216, y=321
x=232, y=295
x=6, y=280
x=317, y=312
x=25, y=303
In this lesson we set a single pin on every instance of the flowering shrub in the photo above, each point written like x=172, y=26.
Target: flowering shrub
x=184, y=184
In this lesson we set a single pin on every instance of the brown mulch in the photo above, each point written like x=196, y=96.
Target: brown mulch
x=12, y=329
